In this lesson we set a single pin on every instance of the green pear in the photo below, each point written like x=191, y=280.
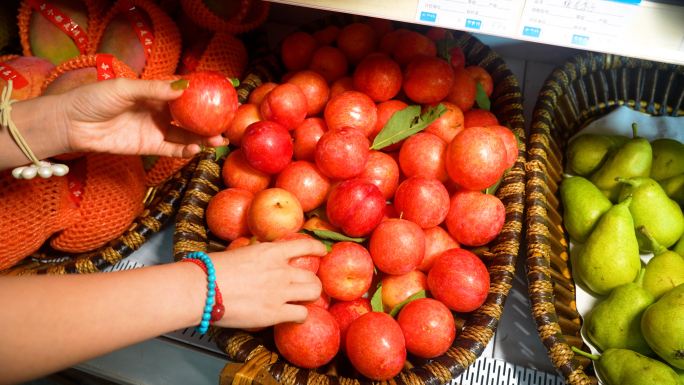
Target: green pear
x=664, y=271
x=652, y=208
x=583, y=207
x=668, y=158
x=679, y=246
x=626, y=367
x=674, y=188
x=663, y=327
x=610, y=256
x=587, y=153
x=616, y=322
x=633, y=158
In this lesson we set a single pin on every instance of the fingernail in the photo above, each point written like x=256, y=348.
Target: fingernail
x=180, y=84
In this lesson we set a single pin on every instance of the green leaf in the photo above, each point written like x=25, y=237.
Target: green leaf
x=222, y=151
x=332, y=236
x=320, y=212
x=517, y=139
x=481, y=97
x=327, y=242
x=236, y=82
x=396, y=309
x=405, y=123
x=444, y=45
x=376, y=301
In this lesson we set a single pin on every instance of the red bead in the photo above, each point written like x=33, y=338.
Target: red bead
x=217, y=312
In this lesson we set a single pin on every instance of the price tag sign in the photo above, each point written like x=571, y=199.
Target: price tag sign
x=497, y=17
x=585, y=24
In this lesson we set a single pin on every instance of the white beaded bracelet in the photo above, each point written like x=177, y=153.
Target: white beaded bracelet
x=42, y=168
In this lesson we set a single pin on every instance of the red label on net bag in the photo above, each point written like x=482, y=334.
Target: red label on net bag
x=104, y=66
x=8, y=73
x=139, y=25
x=62, y=21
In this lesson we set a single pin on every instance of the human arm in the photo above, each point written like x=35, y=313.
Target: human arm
x=120, y=116
x=52, y=322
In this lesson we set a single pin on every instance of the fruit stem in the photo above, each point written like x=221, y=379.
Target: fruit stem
x=585, y=354
x=657, y=247
x=640, y=277
x=630, y=182
x=634, y=130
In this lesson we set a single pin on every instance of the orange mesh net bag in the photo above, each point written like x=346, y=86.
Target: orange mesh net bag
x=223, y=53
x=235, y=17
x=113, y=194
x=96, y=10
x=32, y=210
x=163, y=168
x=83, y=70
x=155, y=30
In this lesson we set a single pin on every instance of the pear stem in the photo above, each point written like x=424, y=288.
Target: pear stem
x=657, y=247
x=626, y=181
x=640, y=277
x=590, y=356
x=634, y=130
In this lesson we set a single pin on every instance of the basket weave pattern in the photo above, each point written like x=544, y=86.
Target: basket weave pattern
x=481, y=324
x=577, y=92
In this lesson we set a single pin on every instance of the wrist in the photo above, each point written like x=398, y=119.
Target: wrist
x=46, y=133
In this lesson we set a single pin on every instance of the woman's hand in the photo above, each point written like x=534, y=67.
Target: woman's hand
x=129, y=117
x=257, y=283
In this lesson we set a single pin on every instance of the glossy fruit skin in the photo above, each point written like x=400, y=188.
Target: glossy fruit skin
x=345, y=312
x=273, y=213
x=312, y=343
x=379, y=77
x=397, y=246
x=267, y=147
x=376, y=346
x=207, y=106
x=459, y=279
x=346, y=272
x=424, y=154
x=285, y=104
x=383, y=171
x=351, y=109
x=475, y=218
x=437, y=241
x=356, y=206
x=476, y=158
x=236, y=173
x=428, y=79
x=226, y=213
x=398, y=288
x=428, y=327
x=315, y=89
x=306, y=182
x=422, y=200
x=342, y=154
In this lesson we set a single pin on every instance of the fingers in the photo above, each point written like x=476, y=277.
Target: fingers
x=293, y=313
x=302, y=247
x=147, y=89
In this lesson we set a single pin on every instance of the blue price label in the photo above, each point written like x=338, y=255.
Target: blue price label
x=580, y=40
x=531, y=31
x=475, y=24
x=428, y=16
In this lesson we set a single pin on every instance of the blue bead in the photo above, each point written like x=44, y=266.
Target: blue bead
x=206, y=316
x=210, y=301
x=204, y=324
x=212, y=278
x=211, y=293
x=208, y=308
x=211, y=271
x=211, y=285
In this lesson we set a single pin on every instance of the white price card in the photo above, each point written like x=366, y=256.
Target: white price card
x=496, y=17
x=585, y=24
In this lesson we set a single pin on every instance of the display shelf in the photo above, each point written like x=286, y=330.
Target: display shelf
x=652, y=30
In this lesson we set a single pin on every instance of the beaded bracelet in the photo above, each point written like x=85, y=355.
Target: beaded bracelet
x=213, y=308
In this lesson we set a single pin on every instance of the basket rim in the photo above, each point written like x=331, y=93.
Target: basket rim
x=541, y=148
x=482, y=323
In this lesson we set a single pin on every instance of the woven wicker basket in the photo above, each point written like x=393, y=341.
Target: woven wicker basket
x=263, y=365
x=162, y=201
x=582, y=89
